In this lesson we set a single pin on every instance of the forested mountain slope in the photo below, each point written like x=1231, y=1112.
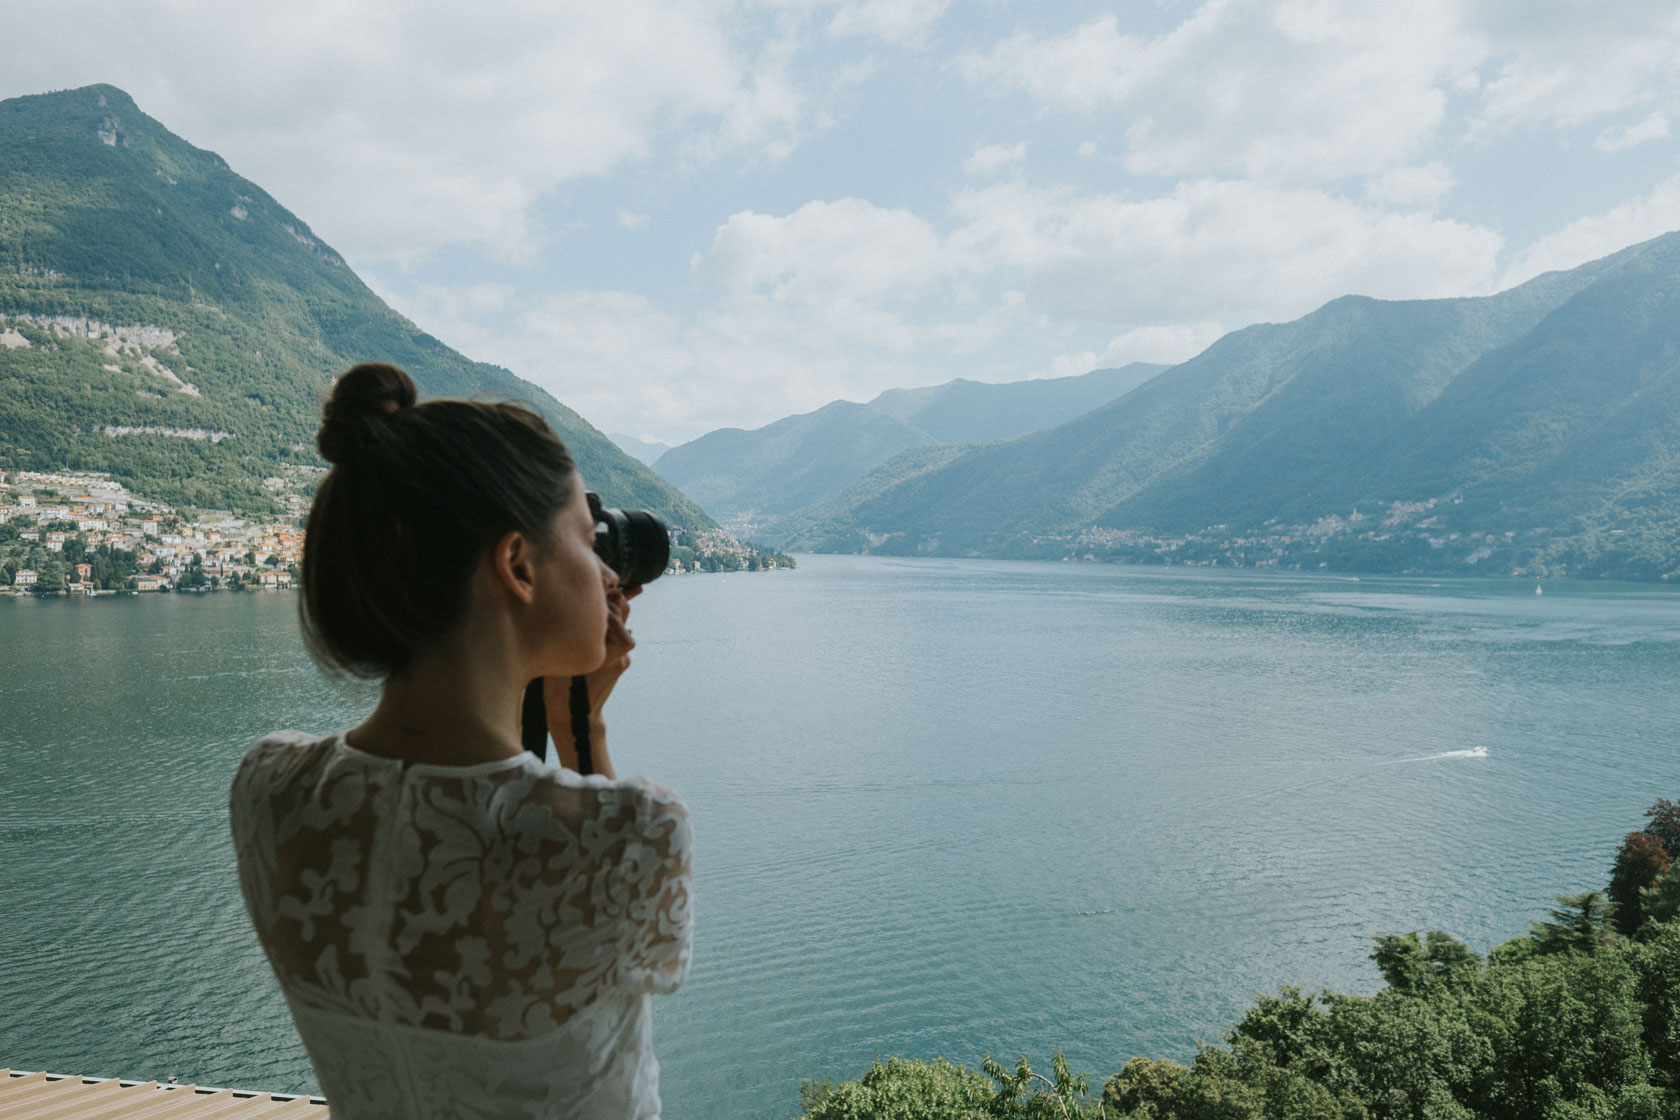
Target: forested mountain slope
x=167, y=321
x=802, y=459
x=1551, y=407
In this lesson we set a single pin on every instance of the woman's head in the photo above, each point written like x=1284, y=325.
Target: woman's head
x=417, y=497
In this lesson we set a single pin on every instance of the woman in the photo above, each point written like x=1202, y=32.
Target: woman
x=460, y=929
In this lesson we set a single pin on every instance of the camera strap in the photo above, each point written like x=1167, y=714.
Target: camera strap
x=533, y=722
x=579, y=699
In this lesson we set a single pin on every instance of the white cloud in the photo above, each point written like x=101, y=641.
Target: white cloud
x=1653, y=127
x=1296, y=91
x=826, y=253
x=1565, y=64
x=992, y=158
x=628, y=220
x=1587, y=239
x=1411, y=187
x=894, y=22
x=395, y=130
x=1232, y=252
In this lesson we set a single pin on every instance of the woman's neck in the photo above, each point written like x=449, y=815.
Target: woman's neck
x=455, y=706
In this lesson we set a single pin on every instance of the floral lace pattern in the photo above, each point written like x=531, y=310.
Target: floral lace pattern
x=476, y=940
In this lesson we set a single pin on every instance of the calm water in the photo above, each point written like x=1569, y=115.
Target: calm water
x=941, y=808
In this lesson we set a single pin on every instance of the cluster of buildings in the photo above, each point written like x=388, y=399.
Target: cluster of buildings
x=49, y=510
x=712, y=550
x=1400, y=536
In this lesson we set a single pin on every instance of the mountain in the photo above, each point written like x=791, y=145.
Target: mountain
x=802, y=459
x=964, y=411
x=1540, y=422
x=167, y=321
x=639, y=449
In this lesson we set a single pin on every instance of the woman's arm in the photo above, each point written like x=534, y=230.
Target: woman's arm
x=557, y=691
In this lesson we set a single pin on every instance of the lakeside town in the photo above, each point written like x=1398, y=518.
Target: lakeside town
x=87, y=534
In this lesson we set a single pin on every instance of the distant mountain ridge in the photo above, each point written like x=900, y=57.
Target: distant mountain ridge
x=643, y=451
x=802, y=459
x=148, y=293
x=1538, y=428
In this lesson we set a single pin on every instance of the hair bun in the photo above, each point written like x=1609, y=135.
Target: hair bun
x=363, y=398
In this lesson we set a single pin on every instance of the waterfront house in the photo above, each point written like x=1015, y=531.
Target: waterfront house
x=147, y=583
x=25, y=578
x=84, y=572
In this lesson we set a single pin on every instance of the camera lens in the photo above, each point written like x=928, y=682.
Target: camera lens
x=633, y=542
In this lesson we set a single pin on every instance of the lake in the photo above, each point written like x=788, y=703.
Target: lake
x=940, y=807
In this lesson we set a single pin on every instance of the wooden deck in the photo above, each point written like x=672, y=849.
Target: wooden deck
x=52, y=1096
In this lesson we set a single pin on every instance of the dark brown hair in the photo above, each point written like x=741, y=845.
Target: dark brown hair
x=416, y=494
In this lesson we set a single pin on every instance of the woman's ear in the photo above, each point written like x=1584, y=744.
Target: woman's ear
x=513, y=565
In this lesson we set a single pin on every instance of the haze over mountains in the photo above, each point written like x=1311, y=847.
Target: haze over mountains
x=801, y=459
x=165, y=320
x=1536, y=429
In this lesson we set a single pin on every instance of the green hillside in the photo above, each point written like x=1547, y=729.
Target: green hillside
x=791, y=463
x=1537, y=429
x=801, y=460
x=168, y=322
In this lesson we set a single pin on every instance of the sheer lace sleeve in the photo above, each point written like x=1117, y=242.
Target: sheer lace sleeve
x=655, y=881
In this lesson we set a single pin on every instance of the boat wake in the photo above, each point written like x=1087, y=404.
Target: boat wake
x=1473, y=752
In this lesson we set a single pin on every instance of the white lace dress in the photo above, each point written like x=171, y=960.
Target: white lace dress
x=465, y=941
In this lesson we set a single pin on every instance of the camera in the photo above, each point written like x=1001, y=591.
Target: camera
x=633, y=542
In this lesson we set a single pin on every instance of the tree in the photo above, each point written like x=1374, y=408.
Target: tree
x=1411, y=964
x=1290, y=1024
x=1581, y=923
x=1660, y=902
x=1400, y=957
x=1564, y=1029
x=1449, y=958
x=1639, y=864
x=1665, y=825
x=1062, y=1097
x=896, y=1089
x=1656, y=963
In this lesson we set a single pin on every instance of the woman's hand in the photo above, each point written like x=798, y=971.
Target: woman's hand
x=619, y=644
x=557, y=690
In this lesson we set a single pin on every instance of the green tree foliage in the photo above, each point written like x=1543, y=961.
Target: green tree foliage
x=1581, y=923
x=1571, y=1022
x=1660, y=902
x=1640, y=862
x=1410, y=964
x=1665, y=825
x=897, y=1089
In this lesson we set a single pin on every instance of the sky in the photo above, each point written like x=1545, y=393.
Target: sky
x=680, y=215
